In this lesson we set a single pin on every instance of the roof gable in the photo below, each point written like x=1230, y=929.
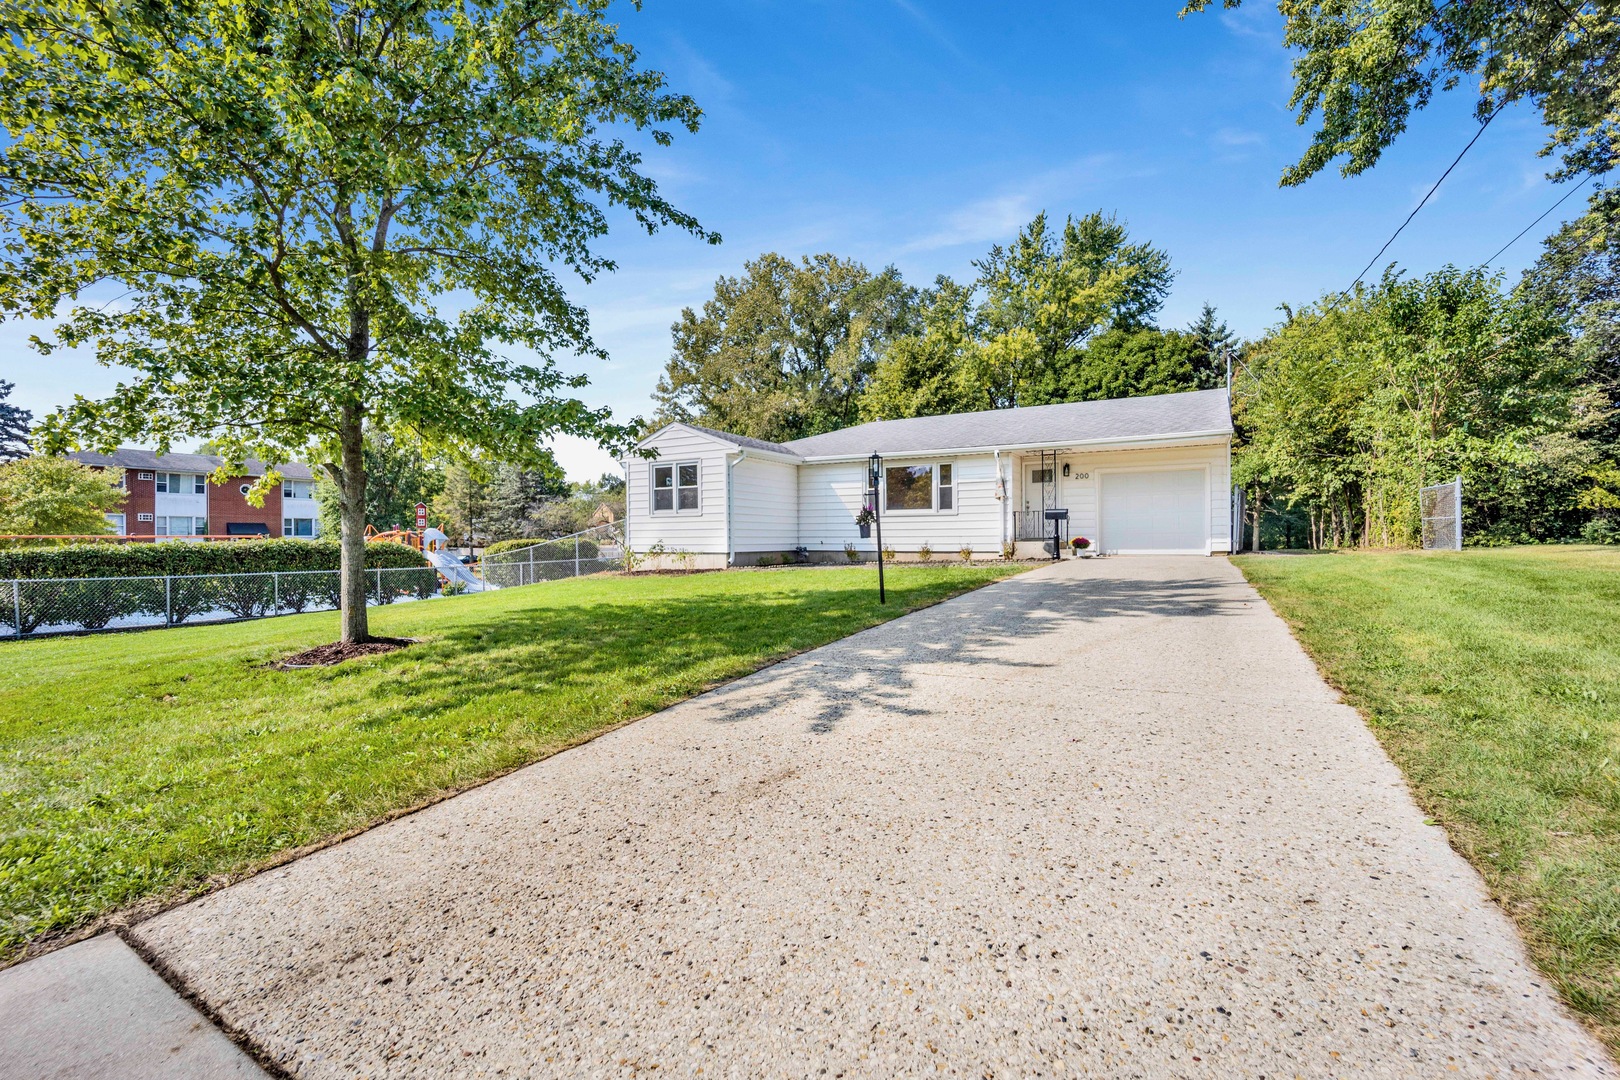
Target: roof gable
x=131, y=457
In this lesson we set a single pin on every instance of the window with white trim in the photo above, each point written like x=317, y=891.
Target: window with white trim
x=143, y=476
x=143, y=517
x=180, y=526
x=173, y=483
x=117, y=523
x=675, y=487
x=298, y=489
x=299, y=526
x=919, y=489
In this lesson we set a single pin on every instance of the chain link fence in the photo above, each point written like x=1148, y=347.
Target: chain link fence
x=35, y=607
x=588, y=552
x=1441, y=507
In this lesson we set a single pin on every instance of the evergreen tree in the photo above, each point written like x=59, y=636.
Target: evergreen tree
x=14, y=424
x=1214, y=339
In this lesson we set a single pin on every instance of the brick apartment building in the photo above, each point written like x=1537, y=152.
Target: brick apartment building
x=170, y=495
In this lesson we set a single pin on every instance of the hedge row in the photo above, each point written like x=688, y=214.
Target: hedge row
x=193, y=557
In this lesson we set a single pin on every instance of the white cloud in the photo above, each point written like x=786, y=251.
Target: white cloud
x=998, y=217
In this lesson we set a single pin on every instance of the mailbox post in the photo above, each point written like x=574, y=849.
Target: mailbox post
x=875, y=475
x=1057, y=516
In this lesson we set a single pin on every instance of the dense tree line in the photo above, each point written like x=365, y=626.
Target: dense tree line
x=1062, y=313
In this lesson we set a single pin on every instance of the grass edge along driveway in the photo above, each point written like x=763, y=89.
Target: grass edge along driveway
x=1492, y=678
x=138, y=769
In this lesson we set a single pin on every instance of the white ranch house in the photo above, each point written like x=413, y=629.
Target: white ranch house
x=1145, y=475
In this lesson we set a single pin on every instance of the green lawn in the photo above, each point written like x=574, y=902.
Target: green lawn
x=1493, y=680
x=134, y=768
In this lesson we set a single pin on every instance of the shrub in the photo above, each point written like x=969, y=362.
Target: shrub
x=888, y=553
x=192, y=557
x=925, y=553
x=769, y=560
x=851, y=552
x=1009, y=551
x=1600, y=531
x=966, y=551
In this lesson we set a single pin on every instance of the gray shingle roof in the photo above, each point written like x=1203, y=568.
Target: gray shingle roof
x=1195, y=412
x=129, y=457
x=743, y=440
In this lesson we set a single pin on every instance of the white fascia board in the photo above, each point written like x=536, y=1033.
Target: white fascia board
x=1089, y=445
x=754, y=452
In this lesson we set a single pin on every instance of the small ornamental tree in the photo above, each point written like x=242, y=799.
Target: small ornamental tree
x=283, y=191
x=53, y=496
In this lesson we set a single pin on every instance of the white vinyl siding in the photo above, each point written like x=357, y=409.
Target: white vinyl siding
x=764, y=505
x=830, y=495
x=1079, y=491
x=701, y=531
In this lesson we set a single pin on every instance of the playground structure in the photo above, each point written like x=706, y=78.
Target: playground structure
x=434, y=545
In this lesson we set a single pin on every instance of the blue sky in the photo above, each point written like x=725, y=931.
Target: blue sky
x=919, y=133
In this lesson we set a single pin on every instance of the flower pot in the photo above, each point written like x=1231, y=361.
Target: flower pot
x=866, y=532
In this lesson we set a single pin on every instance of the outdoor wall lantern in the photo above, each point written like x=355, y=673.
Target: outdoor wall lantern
x=1065, y=468
x=875, y=475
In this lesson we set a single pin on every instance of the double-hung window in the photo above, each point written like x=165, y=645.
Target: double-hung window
x=180, y=526
x=675, y=487
x=298, y=489
x=304, y=527
x=172, y=483
x=919, y=488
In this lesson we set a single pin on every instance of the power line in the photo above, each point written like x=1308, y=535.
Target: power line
x=1427, y=197
x=1536, y=222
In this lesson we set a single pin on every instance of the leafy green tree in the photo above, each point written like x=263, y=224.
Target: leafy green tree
x=14, y=424
x=1214, y=341
x=283, y=192
x=785, y=350
x=1050, y=290
x=930, y=372
x=55, y=496
x=1351, y=404
x=1363, y=67
x=1123, y=363
x=397, y=478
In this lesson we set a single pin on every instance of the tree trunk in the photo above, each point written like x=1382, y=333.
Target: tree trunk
x=1257, y=519
x=353, y=505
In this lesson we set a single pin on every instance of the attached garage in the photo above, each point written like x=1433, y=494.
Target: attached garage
x=1155, y=512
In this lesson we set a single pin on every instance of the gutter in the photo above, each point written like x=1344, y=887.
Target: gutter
x=1128, y=441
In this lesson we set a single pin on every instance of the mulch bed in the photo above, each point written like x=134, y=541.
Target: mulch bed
x=337, y=652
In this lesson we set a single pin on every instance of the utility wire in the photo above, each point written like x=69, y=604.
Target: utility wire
x=1427, y=197
x=1536, y=222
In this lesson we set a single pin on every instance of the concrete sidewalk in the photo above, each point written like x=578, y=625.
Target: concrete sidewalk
x=95, y=1011
x=1101, y=818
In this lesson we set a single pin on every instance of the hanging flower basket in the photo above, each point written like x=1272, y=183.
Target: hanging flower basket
x=864, y=519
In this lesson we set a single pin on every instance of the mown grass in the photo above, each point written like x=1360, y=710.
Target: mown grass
x=136, y=768
x=1493, y=680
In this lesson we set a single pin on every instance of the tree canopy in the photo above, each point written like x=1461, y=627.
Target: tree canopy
x=56, y=496
x=784, y=350
x=1363, y=67
x=285, y=193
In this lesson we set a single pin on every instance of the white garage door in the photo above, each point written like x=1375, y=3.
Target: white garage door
x=1145, y=512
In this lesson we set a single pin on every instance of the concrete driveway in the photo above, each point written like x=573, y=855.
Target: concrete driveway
x=1102, y=818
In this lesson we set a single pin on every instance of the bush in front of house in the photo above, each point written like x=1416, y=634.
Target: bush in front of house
x=191, y=557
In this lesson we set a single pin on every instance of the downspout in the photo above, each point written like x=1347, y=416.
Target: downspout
x=1005, y=495
x=731, y=548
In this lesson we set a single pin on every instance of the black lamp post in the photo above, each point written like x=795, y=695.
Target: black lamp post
x=875, y=464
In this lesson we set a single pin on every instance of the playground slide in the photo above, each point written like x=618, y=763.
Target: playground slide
x=450, y=566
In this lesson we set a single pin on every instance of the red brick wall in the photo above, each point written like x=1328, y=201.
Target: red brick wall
x=142, y=498
x=227, y=505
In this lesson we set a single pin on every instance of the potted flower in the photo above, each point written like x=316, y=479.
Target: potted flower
x=864, y=519
x=1078, y=544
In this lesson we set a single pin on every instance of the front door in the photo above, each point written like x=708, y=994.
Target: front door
x=1040, y=488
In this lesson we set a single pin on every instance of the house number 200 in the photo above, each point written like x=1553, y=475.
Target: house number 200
x=1082, y=476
